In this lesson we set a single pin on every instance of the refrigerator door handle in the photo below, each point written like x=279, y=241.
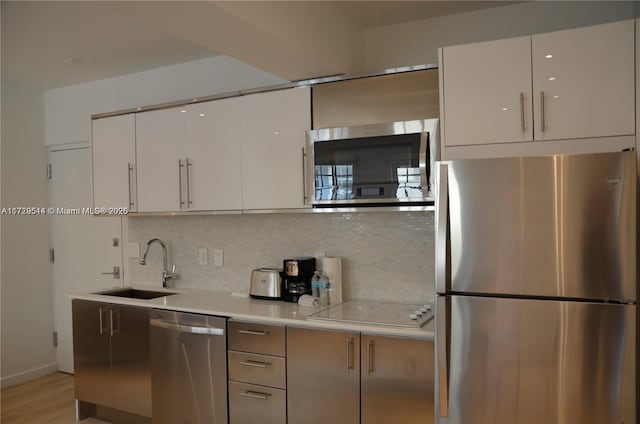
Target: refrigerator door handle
x=442, y=218
x=442, y=340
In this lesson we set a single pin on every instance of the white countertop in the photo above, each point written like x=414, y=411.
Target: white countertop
x=225, y=304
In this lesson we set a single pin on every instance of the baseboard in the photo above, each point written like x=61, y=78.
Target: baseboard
x=28, y=375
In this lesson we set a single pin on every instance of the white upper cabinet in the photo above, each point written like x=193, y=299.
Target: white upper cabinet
x=224, y=155
x=583, y=82
x=571, y=84
x=213, y=177
x=273, y=140
x=160, y=157
x=113, y=154
x=487, y=92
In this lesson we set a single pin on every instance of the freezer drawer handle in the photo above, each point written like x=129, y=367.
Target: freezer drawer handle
x=211, y=331
x=256, y=364
x=254, y=332
x=443, y=366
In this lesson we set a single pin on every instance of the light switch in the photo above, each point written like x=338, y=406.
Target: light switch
x=133, y=250
x=203, y=256
x=218, y=257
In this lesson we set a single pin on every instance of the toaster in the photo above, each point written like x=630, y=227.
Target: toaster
x=266, y=284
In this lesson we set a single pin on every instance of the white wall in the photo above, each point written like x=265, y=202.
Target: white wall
x=27, y=297
x=68, y=110
x=417, y=42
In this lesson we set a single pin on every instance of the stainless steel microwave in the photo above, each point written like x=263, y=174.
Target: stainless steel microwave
x=373, y=165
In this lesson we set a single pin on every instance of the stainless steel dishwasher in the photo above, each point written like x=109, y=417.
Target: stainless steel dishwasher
x=188, y=368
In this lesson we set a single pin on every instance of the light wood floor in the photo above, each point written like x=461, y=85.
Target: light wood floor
x=48, y=400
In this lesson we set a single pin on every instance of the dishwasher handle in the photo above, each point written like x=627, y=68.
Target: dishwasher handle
x=211, y=331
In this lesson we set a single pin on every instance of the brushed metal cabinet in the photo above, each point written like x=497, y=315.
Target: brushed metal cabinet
x=92, y=352
x=257, y=338
x=264, y=370
x=111, y=355
x=323, y=376
x=251, y=404
x=130, y=360
x=397, y=380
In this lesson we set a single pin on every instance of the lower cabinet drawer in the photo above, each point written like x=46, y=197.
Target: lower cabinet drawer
x=250, y=404
x=252, y=368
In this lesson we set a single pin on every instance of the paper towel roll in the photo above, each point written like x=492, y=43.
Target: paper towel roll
x=332, y=266
x=307, y=300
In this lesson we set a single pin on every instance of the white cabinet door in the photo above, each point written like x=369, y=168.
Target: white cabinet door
x=113, y=150
x=160, y=151
x=213, y=150
x=583, y=82
x=273, y=139
x=487, y=92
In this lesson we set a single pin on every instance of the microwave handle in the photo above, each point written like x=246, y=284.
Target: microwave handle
x=304, y=177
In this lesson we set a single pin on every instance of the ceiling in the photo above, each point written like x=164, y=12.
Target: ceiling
x=56, y=43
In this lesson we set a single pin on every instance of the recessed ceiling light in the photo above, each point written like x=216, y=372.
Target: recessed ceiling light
x=504, y=108
x=549, y=56
x=183, y=111
x=552, y=78
x=202, y=114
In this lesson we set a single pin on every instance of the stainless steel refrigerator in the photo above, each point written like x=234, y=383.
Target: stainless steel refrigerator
x=536, y=283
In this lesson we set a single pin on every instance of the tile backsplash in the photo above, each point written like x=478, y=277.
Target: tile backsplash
x=387, y=256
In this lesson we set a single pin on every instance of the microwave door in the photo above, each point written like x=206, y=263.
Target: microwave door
x=371, y=169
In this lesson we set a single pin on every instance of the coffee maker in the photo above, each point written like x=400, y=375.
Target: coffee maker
x=296, y=277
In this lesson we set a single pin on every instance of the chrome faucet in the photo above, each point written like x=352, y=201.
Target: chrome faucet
x=166, y=275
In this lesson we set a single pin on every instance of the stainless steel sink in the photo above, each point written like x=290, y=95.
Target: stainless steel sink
x=135, y=293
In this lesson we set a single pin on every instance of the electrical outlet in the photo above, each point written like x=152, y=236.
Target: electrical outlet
x=203, y=256
x=218, y=257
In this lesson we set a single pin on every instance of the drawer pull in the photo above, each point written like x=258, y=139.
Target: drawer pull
x=254, y=332
x=256, y=395
x=256, y=364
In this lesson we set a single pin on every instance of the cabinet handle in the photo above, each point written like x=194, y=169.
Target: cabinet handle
x=103, y=329
x=254, y=332
x=543, y=124
x=349, y=354
x=189, y=202
x=442, y=355
x=129, y=170
x=180, y=166
x=522, y=126
x=209, y=331
x=114, y=329
x=304, y=177
x=369, y=357
x=256, y=395
x=256, y=364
